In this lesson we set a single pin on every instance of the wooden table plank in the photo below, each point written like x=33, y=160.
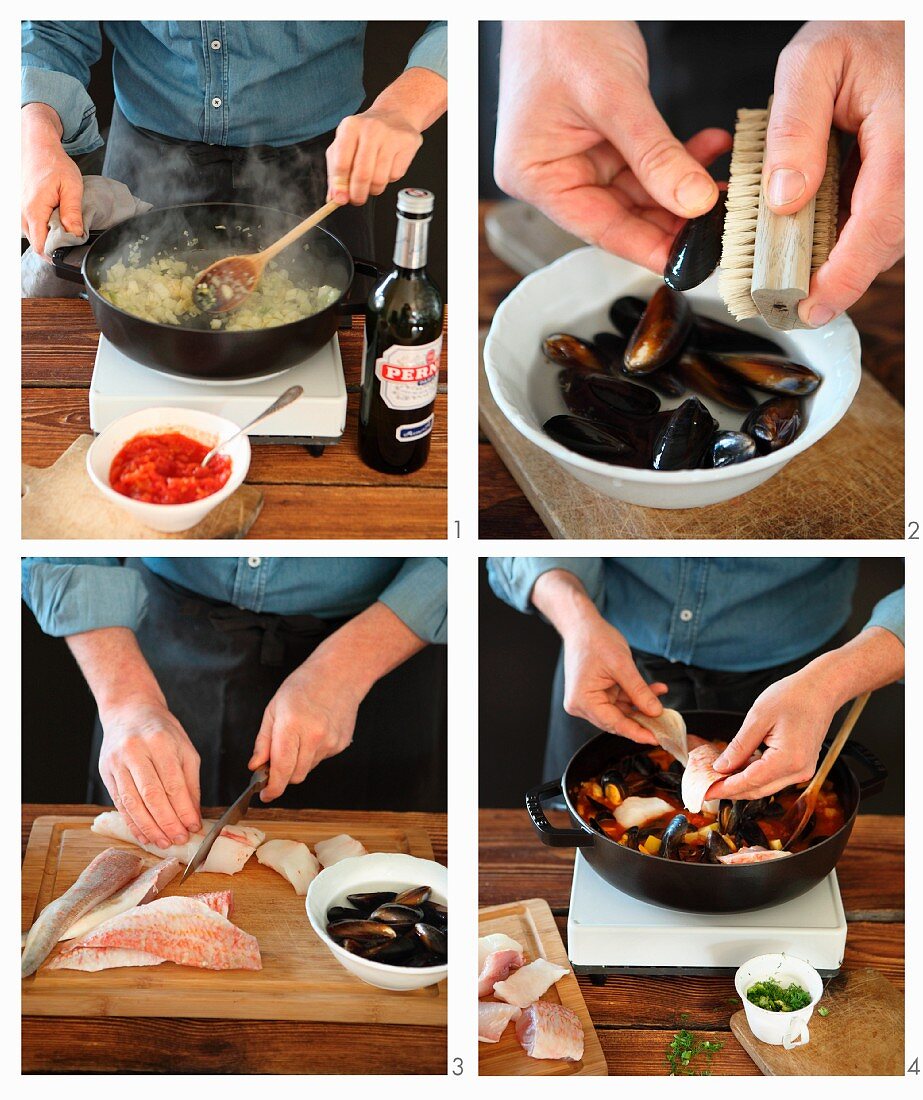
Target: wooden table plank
x=333, y=496
x=54, y=1044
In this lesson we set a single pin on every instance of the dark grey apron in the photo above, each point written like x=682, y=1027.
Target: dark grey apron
x=219, y=667
x=293, y=178
x=691, y=688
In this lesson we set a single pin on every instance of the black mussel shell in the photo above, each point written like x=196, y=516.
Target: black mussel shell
x=344, y=912
x=368, y=902
x=771, y=373
x=749, y=834
x=360, y=930
x=682, y=441
x=660, y=334
x=436, y=914
x=396, y=952
x=668, y=781
x=716, y=846
x=593, y=440
x=425, y=958
x=632, y=837
x=673, y=836
x=612, y=348
x=774, y=424
x=642, y=763
x=571, y=351
x=696, y=250
x=729, y=448
x=709, y=335
x=596, y=395
x=704, y=374
x=625, y=313
x=413, y=896
x=432, y=938
x=665, y=380
x=398, y=915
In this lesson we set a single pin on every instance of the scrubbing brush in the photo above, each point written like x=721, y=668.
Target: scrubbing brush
x=767, y=259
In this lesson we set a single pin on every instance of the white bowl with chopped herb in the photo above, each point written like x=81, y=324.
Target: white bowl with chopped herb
x=779, y=993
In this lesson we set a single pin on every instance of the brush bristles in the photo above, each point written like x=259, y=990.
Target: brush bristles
x=827, y=207
x=738, y=246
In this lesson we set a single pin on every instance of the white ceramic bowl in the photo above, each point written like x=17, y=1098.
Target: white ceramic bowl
x=378, y=871
x=573, y=295
x=785, y=1029
x=203, y=426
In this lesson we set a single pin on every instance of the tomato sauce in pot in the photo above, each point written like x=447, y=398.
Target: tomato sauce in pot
x=166, y=468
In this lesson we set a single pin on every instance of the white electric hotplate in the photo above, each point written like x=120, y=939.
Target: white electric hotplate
x=121, y=386
x=612, y=932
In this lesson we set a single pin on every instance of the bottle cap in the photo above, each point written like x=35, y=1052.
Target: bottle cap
x=415, y=200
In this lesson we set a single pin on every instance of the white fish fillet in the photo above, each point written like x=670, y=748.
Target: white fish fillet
x=487, y=945
x=756, y=854
x=292, y=860
x=336, y=848
x=100, y=879
x=528, y=983
x=228, y=854
x=143, y=889
x=548, y=1030
x=699, y=776
x=669, y=729
x=493, y=1019
x=497, y=968
x=187, y=931
x=639, y=811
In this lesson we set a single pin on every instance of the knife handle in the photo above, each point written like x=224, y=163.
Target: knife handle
x=259, y=779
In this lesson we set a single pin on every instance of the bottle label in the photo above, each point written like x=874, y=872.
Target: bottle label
x=410, y=433
x=409, y=376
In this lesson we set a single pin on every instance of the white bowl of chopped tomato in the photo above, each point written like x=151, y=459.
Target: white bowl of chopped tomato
x=149, y=463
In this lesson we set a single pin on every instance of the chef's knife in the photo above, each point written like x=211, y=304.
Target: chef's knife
x=231, y=816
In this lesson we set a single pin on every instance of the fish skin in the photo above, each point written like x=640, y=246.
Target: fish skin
x=143, y=889
x=549, y=1030
x=756, y=854
x=100, y=879
x=228, y=854
x=187, y=931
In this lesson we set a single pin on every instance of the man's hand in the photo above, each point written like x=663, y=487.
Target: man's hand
x=313, y=714
x=601, y=681
x=792, y=717
x=376, y=148
x=50, y=179
x=851, y=75
x=579, y=137
x=151, y=770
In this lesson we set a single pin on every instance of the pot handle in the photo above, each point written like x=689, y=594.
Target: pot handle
x=548, y=833
x=369, y=269
x=68, y=271
x=878, y=773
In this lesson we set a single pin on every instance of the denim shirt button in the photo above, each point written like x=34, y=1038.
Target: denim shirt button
x=685, y=615
x=215, y=44
x=216, y=102
x=254, y=562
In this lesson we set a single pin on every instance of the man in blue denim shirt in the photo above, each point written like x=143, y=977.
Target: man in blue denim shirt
x=750, y=634
x=222, y=110
x=203, y=667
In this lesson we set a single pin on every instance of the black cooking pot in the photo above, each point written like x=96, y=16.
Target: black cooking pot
x=699, y=887
x=200, y=234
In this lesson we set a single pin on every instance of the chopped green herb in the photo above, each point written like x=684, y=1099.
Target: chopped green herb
x=823, y=1011
x=777, y=998
x=684, y=1047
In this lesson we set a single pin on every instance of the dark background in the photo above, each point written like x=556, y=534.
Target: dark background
x=517, y=657
x=701, y=73
x=387, y=44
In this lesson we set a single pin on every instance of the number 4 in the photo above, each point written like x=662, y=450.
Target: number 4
x=914, y=1067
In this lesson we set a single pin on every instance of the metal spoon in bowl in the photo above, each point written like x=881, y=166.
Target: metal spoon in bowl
x=290, y=395
x=227, y=283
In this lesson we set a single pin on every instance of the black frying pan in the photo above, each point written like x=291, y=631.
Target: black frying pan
x=699, y=887
x=201, y=233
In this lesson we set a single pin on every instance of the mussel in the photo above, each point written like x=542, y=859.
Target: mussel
x=614, y=786
x=594, y=439
x=771, y=373
x=571, y=351
x=704, y=374
x=415, y=896
x=661, y=332
x=434, y=939
x=632, y=838
x=716, y=846
x=436, y=914
x=344, y=912
x=668, y=781
x=709, y=335
x=749, y=833
x=696, y=250
x=368, y=902
x=360, y=930
x=664, y=380
x=774, y=424
x=611, y=347
x=399, y=916
x=727, y=448
x=596, y=395
x=673, y=836
x=681, y=442
x=625, y=313
x=394, y=951
x=729, y=815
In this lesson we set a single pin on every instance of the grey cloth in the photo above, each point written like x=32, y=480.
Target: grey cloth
x=106, y=202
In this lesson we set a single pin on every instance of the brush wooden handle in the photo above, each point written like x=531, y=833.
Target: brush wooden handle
x=781, y=261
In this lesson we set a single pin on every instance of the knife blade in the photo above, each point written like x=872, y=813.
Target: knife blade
x=231, y=816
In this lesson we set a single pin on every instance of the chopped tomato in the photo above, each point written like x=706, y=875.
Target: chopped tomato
x=167, y=469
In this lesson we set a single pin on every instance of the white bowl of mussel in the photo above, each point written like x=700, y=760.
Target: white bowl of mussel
x=384, y=917
x=729, y=405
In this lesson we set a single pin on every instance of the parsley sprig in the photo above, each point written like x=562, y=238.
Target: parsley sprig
x=684, y=1048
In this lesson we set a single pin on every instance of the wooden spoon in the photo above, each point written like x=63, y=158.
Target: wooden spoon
x=797, y=818
x=227, y=283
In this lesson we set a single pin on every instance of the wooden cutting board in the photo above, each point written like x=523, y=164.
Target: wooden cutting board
x=300, y=979
x=531, y=924
x=863, y=1036
x=60, y=502
x=849, y=485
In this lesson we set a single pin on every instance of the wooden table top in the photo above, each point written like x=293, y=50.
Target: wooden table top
x=636, y=1018
x=333, y=496
x=111, y=1044
x=504, y=511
